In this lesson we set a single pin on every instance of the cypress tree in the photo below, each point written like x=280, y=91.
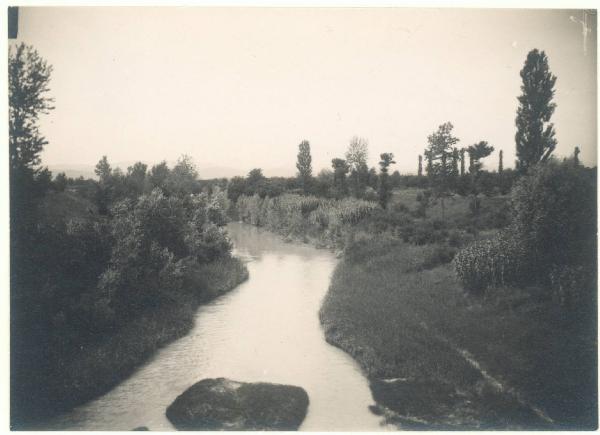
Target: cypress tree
x=500, y=165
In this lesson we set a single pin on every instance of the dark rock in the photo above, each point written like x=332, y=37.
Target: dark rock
x=223, y=404
x=141, y=428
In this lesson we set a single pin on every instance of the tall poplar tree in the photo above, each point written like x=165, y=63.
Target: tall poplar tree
x=304, y=165
x=535, y=133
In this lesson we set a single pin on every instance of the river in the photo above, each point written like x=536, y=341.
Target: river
x=267, y=329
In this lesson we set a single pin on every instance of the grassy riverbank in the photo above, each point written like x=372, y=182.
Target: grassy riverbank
x=438, y=356
x=96, y=368
x=439, y=359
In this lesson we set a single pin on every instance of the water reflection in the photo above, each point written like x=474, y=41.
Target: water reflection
x=265, y=330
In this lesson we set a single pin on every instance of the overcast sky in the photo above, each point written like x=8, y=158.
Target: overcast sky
x=241, y=88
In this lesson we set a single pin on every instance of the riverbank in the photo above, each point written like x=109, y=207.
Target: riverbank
x=97, y=368
x=438, y=359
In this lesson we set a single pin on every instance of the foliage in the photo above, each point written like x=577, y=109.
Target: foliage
x=327, y=220
x=182, y=179
x=438, y=152
x=498, y=261
x=356, y=158
x=553, y=218
x=28, y=80
x=535, y=134
x=60, y=182
x=384, y=191
x=340, y=169
x=477, y=152
x=103, y=170
x=304, y=165
x=554, y=215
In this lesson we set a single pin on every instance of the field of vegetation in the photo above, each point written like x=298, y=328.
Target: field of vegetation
x=518, y=356
x=468, y=296
x=455, y=328
x=467, y=309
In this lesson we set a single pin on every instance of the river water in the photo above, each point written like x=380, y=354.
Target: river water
x=267, y=329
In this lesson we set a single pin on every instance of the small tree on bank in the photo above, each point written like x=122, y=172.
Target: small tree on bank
x=439, y=150
x=340, y=169
x=535, y=134
x=356, y=158
x=304, y=166
x=385, y=191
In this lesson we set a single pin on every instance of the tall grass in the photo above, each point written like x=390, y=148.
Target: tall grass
x=328, y=221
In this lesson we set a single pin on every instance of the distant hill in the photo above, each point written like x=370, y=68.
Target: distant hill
x=73, y=171
x=204, y=172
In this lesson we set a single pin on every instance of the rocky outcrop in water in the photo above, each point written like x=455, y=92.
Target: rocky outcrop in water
x=223, y=404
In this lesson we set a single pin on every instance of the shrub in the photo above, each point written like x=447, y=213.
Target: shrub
x=554, y=215
x=501, y=260
x=552, y=238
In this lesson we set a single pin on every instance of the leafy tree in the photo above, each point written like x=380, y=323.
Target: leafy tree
x=439, y=150
x=60, y=182
x=254, y=181
x=462, y=161
x=385, y=192
x=183, y=178
x=356, y=158
x=304, y=166
x=28, y=80
x=28, y=85
x=136, y=178
x=340, y=169
x=420, y=169
x=255, y=176
x=324, y=183
x=477, y=152
x=236, y=188
x=576, y=156
x=535, y=134
x=103, y=170
x=158, y=175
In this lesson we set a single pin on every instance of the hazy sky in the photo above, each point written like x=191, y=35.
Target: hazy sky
x=242, y=87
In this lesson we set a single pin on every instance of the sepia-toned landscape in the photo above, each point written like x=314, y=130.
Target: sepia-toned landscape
x=317, y=219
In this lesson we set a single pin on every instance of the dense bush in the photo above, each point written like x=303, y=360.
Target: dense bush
x=554, y=215
x=493, y=262
x=551, y=239
x=155, y=237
